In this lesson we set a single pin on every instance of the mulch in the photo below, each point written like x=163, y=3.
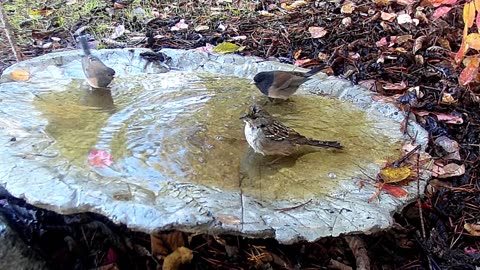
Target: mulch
x=412, y=56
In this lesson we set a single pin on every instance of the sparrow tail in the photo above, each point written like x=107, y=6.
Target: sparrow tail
x=84, y=45
x=326, y=144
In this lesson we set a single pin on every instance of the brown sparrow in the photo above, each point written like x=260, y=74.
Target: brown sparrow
x=268, y=136
x=281, y=84
x=98, y=75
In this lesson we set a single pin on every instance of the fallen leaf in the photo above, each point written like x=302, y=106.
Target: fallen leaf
x=20, y=75
x=448, y=118
x=390, y=17
x=393, y=174
x=450, y=146
x=439, y=12
x=384, y=41
x=469, y=14
x=473, y=229
x=348, y=8
x=395, y=86
x=473, y=41
x=179, y=26
x=451, y=169
x=470, y=72
x=266, y=13
x=162, y=243
x=418, y=44
x=405, y=2
x=229, y=219
x=227, y=47
x=317, y=32
x=38, y=13
x=404, y=18
x=207, y=48
x=447, y=98
x=119, y=31
x=200, y=28
x=174, y=260
x=100, y=158
x=347, y=22
x=395, y=191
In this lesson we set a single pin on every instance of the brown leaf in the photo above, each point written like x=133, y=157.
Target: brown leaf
x=164, y=243
x=418, y=43
x=452, y=169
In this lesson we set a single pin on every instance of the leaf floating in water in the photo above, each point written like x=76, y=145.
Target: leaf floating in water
x=100, y=158
x=20, y=75
x=227, y=47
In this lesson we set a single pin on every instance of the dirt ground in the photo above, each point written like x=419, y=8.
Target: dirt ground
x=410, y=64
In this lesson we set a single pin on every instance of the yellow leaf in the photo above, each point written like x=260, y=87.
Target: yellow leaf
x=473, y=40
x=469, y=14
x=392, y=174
x=227, y=47
x=477, y=5
x=20, y=75
x=473, y=229
x=38, y=13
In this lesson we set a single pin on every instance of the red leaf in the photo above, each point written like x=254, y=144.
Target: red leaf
x=470, y=72
x=439, y=12
x=395, y=191
x=100, y=158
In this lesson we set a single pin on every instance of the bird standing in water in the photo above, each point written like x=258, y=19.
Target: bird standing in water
x=281, y=84
x=268, y=136
x=98, y=74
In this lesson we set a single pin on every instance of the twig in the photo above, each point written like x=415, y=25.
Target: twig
x=8, y=33
x=293, y=207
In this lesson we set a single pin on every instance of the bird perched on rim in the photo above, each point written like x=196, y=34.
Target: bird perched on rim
x=268, y=136
x=280, y=84
x=98, y=74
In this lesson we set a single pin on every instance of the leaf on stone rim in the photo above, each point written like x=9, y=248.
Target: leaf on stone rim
x=227, y=47
x=20, y=75
x=393, y=174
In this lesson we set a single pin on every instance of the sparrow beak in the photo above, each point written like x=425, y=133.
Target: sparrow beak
x=243, y=116
x=252, y=82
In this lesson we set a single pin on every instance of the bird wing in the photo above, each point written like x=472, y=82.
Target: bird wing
x=279, y=132
x=287, y=79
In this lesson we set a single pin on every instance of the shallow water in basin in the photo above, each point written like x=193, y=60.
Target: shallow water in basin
x=188, y=130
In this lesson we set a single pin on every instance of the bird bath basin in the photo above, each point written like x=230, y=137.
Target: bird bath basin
x=179, y=156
